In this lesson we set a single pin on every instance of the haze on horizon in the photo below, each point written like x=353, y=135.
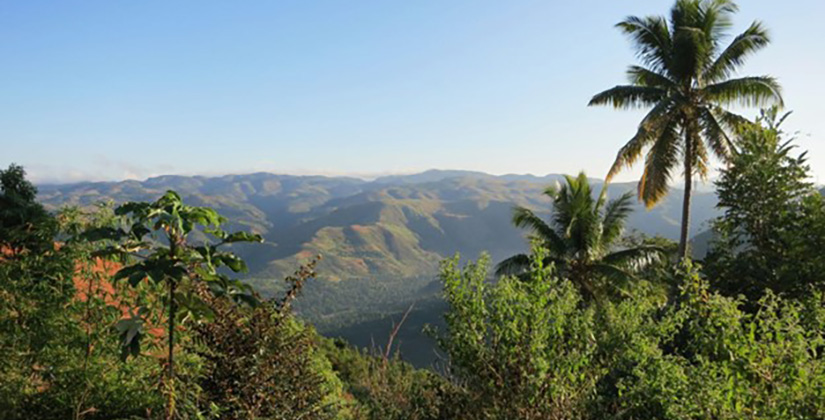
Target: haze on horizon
x=109, y=90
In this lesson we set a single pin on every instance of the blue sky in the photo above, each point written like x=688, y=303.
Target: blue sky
x=106, y=90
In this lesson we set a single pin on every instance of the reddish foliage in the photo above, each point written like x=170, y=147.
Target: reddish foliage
x=92, y=277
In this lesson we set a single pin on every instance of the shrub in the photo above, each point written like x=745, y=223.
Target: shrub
x=526, y=348
x=262, y=363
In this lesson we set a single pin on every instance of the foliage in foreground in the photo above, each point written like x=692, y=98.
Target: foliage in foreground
x=262, y=363
x=62, y=336
x=772, y=234
x=528, y=349
x=60, y=356
x=155, y=241
x=384, y=387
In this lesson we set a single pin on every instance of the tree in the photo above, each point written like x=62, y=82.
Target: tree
x=35, y=289
x=773, y=228
x=582, y=238
x=685, y=78
x=187, y=270
x=24, y=223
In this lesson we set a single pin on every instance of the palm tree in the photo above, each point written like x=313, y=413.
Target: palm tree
x=685, y=78
x=581, y=238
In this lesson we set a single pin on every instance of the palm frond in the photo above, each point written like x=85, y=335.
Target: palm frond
x=577, y=214
x=649, y=129
x=552, y=191
x=640, y=76
x=525, y=218
x=733, y=122
x=629, y=97
x=746, y=91
x=716, y=19
x=635, y=259
x=614, y=274
x=748, y=42
x=652, y=39
x=685, y=21
x=698, y=28
x=692, y=53
x=515, y=265
x=700, y=156
x=723, y=6
x=702, y=13
x=564, y=205
x=615, y=215
x=600, y=202
x=660, y=161
x=715, y=134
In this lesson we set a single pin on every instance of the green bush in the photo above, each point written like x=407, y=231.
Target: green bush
x=386, y=388
x=262, y=363
x=726, y=363
x=528, y=349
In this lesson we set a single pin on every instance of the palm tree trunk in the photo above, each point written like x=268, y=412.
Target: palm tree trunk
x=683, y=238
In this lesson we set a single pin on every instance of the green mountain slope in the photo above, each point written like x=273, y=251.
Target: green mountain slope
x=398, y=226
x=381, y=240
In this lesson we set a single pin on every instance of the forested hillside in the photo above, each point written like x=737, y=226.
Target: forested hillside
x=393, y=226
x=383, y=238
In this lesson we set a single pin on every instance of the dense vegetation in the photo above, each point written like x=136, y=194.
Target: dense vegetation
x=136, y=311
x=381, y=239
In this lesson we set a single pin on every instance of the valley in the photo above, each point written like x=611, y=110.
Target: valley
x=380, y=241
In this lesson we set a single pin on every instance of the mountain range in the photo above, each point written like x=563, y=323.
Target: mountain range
x=399, y=225
x=381, y=240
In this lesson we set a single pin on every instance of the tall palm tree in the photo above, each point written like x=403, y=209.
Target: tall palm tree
x=685, y=78
x=582, y=237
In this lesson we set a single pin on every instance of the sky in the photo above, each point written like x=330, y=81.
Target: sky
x=111, y=90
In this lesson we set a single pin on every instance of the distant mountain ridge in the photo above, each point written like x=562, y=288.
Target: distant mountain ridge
x=399, y=225
x=435, y=175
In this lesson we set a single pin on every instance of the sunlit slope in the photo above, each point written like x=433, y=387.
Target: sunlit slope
x=398, y=226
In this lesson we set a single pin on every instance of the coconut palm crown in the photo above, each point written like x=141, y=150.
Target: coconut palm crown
x=686, y=79
x=582, y=239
